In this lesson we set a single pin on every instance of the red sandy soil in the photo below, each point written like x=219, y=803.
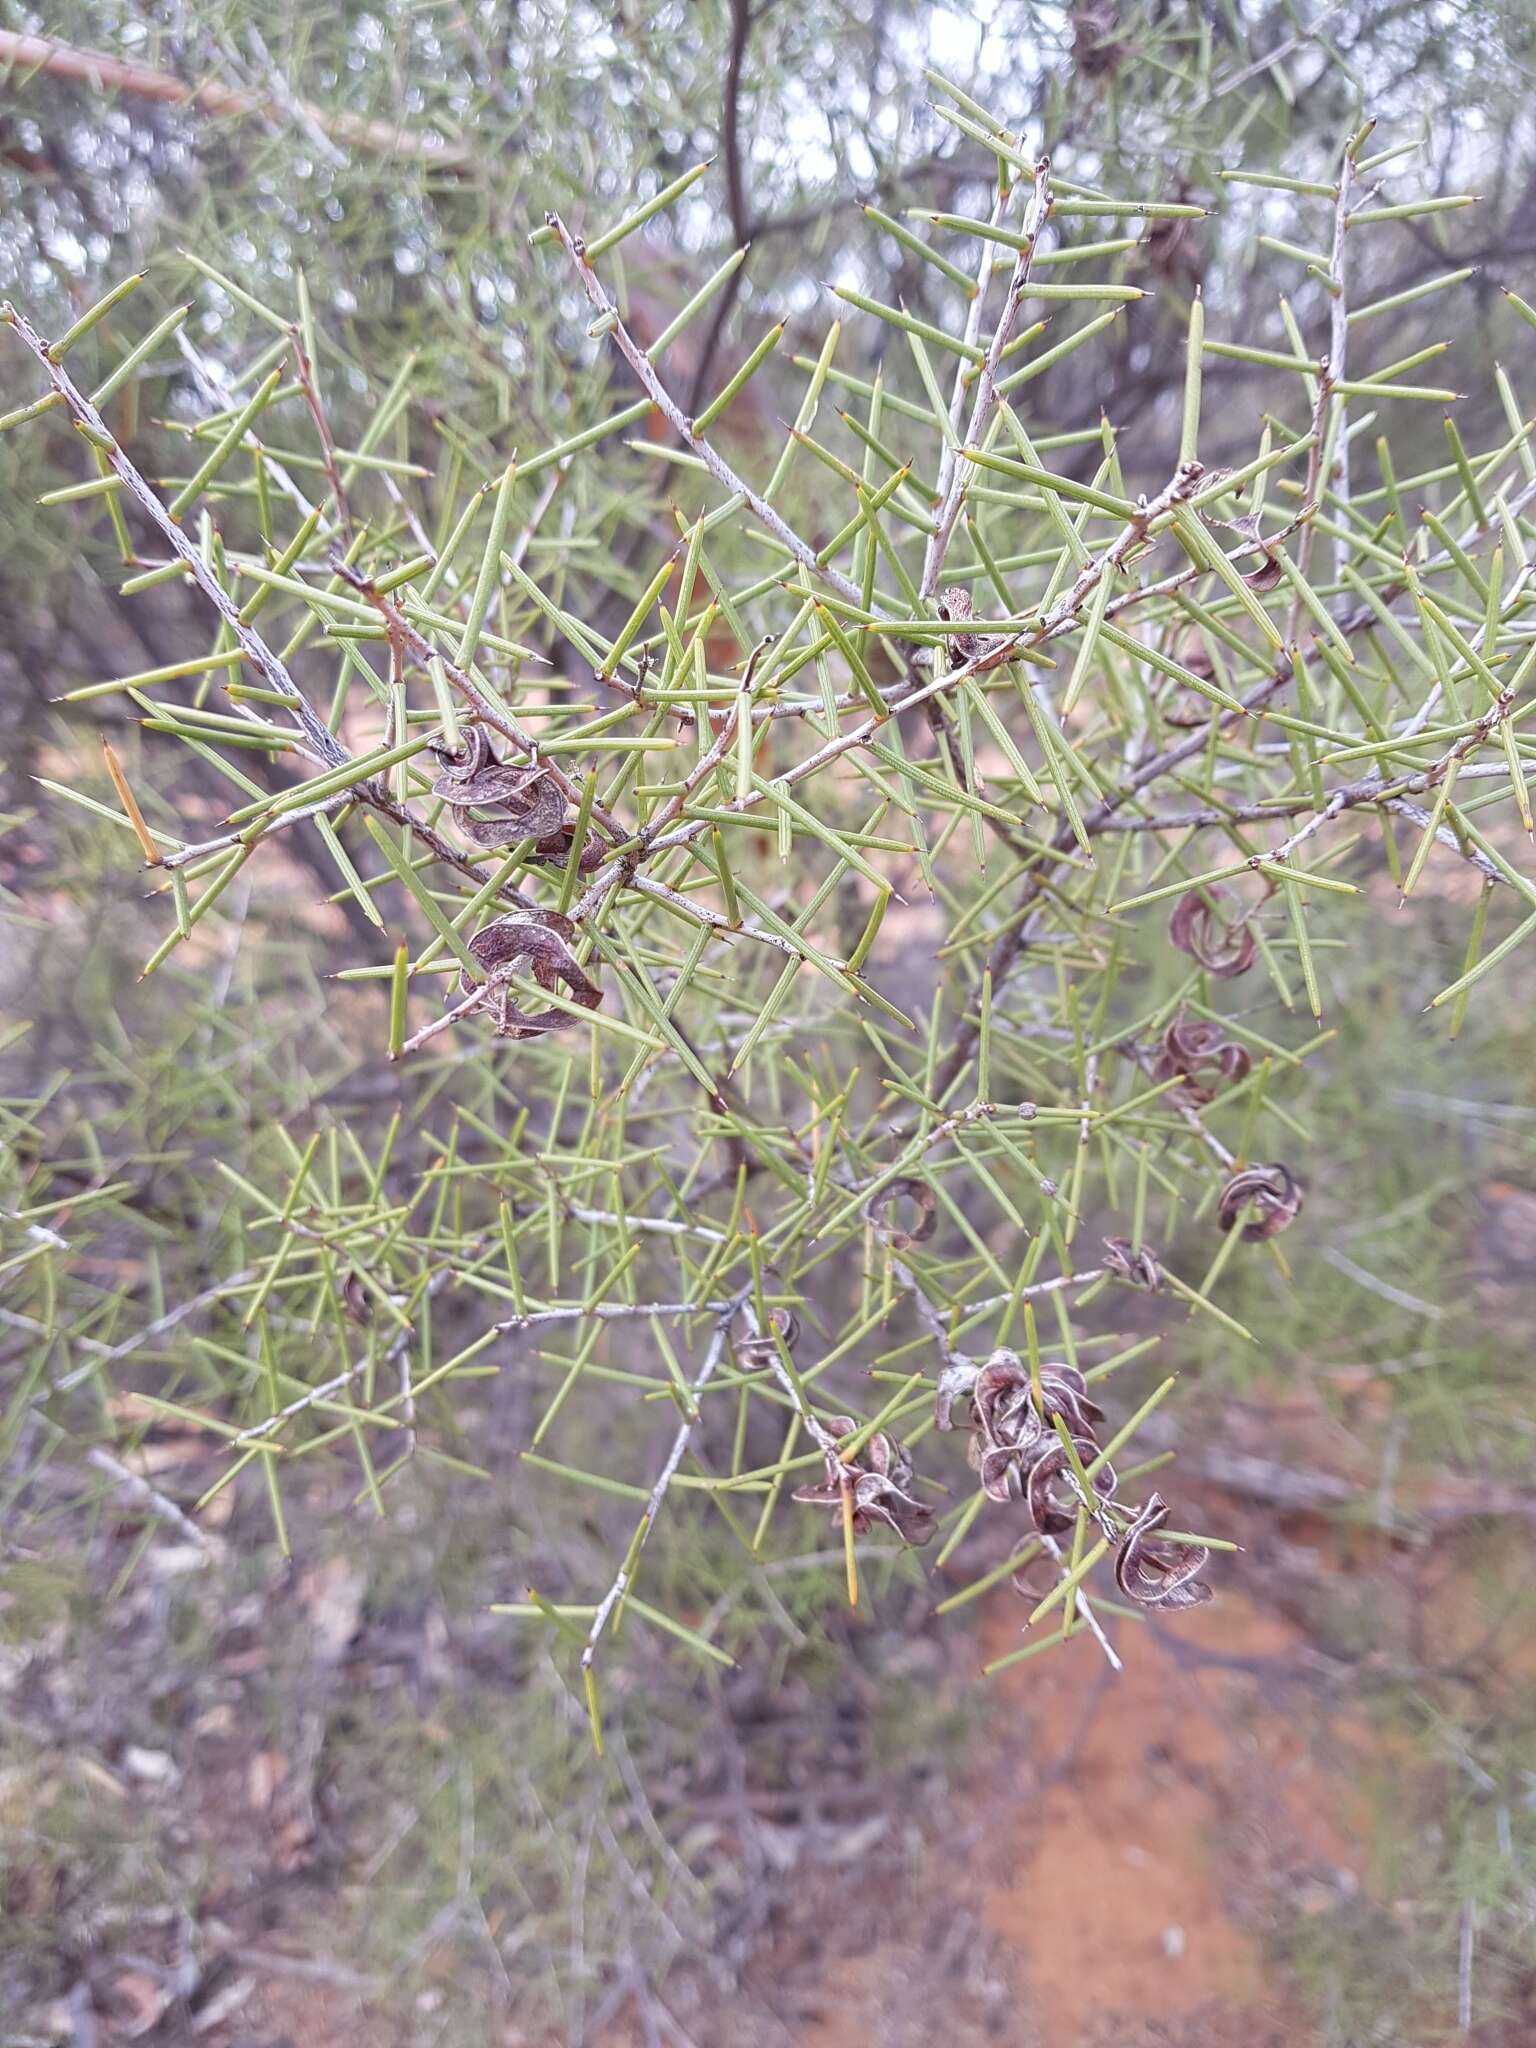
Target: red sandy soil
x=1128, y=1830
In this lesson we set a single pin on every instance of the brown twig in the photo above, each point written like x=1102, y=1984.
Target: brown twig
x=735, y=195
x=304, y=370
x=34, y=54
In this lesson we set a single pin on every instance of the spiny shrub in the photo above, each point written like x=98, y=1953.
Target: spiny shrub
x=835, y=897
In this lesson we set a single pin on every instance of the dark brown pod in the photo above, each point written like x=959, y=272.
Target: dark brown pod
x=1195, y=1054
x=1196, y=928
x=541, y=939
x=1136, y=1264
x=879, y=1479
x=1168, y=1578
x=1274, y=1193
x=878, y=1208
x=753, y=1353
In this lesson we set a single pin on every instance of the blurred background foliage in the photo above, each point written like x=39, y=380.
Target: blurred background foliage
x=345, y=1764
x=814, y=114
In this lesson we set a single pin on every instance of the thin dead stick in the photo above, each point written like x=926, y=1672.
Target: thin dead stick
x=702, y=914
x=407, y=1401
x=1374, y=789
x=1291, y=807
x=304, y=369
x=1338, y=341
x=267, y=665
x=438, y=1025
x=1084, y=1607
x=1330, y=443
x=612, y=1311
x=955, y=465
x=32, y=54
x=682, y=426
x=141, y=1494
x=665, y=1226
x=334, y=1385
x=183, y=856
x=1038, y=1288
x=949, y=456
x=714, y=1351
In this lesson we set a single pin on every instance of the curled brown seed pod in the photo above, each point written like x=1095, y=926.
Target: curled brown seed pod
x=1268, y=573
x=1064, y=1391
x=1196, y=928
x=1192, y=1047
x=879, y=1479
x=1011, y=1434
x=878, y=1208
x=355, y=1304
x=752, y=1353
x=469, y=759
x=542, y=940
x=1274, y=1193
x=1007, y=1429
x=555, y=851
x=474, y=775
x=525, y=796
x=540, y=822
x=1168, y=1578
x=956, y=608
x=1137, y=1264
x=1050, y=1515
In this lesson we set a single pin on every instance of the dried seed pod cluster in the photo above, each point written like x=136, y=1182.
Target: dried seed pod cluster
x=1137, y=1265
x=1033, y=1440
x=876, y=1479
x=1014, y=1447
